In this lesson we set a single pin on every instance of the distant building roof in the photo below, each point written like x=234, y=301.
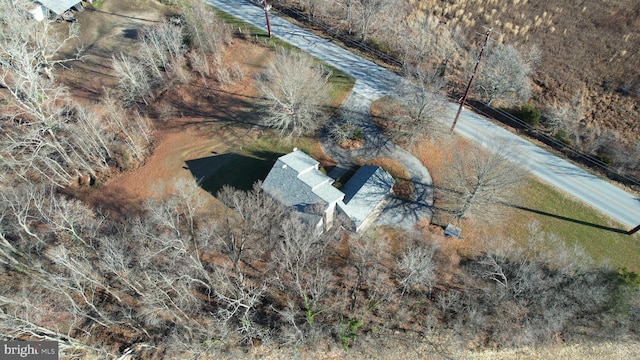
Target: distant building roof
x=36, y=11
x=296, y=182
x=59, y=6
x=368, y=187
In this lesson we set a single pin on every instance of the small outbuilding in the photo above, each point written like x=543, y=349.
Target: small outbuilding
x=453, y=231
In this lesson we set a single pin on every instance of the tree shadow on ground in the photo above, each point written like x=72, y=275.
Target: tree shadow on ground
x=120, y=15
x=444, y=210
x=215, y=104
x=402, y=212
x=374, y=140
x=564, y=218
x=237, y=170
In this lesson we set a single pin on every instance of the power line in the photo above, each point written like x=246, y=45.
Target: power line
x=266, y=15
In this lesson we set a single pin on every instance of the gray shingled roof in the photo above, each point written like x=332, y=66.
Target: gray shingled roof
x=58, y=6
x=296, y=181
x=364, y=191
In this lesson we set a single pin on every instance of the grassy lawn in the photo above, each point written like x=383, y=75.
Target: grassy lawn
x=249, y=31
x=96, y=4
x=341, y=82
x=576, y=223
x=341, y=85
x=250, y=163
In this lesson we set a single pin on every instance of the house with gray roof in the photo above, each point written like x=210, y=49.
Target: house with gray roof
x=297, y=182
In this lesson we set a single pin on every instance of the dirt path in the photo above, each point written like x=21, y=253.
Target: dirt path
x=105, y=32
x=202, y=127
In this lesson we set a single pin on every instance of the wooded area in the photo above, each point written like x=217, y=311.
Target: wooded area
x=182, y=279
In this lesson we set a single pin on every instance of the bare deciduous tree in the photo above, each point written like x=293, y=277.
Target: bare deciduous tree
x=173, y=231
x=204, y=30
x=162, y=47
x=27, y=57
x=346, y=126
x=22, y=211
x=78, y=283
x=563, y=117
x=247, y=232
x=297, y=261
x=70, y=219
x=28, y=48
x=368, y=13
x=91, y=135
x=348, y=13
x=525, y=300
x=208, y=37
x=118, y=260
x=367, y=255
x=131, y=128
x=135, y=83
x=159, y=61
x=428, y=43
x=504, y=75
x=240, y=298
x=45, y=136
x=479, y=180
x=422, y=94
x=293, y=87
x=627, y=159
x=566, y=123
x=34, y=313
x=72, y=141
x=418, y=268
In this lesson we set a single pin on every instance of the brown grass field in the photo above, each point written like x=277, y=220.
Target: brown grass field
x=589, y=48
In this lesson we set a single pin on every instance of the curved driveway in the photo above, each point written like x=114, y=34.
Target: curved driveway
x=397, y=212
x=374, y=81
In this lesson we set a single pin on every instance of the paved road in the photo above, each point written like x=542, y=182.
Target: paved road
x=374, y=81
x=564, y=175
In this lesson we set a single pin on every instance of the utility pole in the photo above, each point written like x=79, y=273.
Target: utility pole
x=266, y=15
x=473, y=75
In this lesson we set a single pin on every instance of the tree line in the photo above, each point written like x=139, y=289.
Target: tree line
x=185, y=280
